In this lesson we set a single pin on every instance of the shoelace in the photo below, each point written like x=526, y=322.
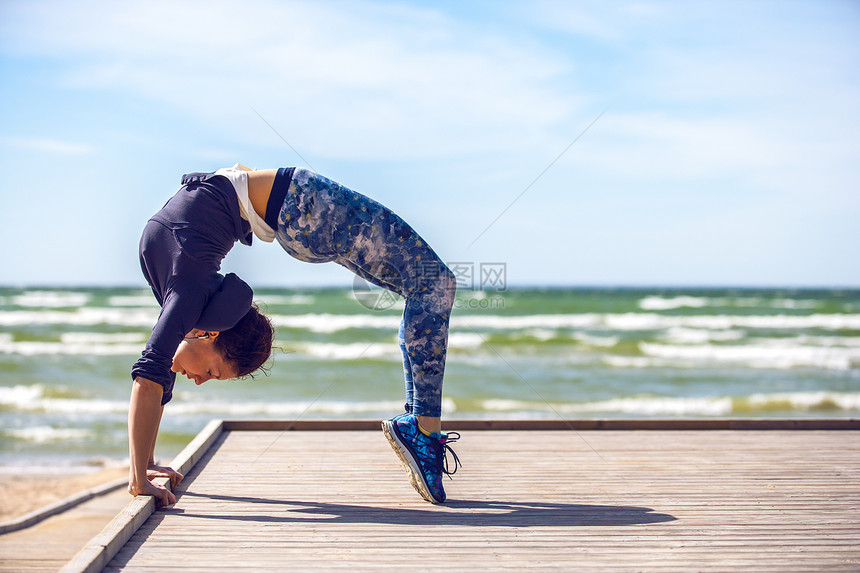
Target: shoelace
x=449, y=437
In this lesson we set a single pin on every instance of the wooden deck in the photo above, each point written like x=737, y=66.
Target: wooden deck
x=586, y=500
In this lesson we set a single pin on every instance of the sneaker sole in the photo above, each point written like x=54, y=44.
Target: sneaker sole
x=410, y=464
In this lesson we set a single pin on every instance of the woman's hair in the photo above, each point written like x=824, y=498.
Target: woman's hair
x=248, y=345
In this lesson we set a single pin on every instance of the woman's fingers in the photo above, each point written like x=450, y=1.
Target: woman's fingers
x=175, y=478
x=163, y=471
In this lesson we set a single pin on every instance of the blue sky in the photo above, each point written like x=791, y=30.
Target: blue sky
x=727, y=152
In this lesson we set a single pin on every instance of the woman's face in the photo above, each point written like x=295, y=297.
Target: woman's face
x=198, y=359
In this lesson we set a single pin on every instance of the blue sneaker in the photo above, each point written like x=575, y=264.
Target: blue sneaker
x=424, y=457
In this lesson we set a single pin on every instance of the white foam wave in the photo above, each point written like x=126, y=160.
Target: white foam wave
x=686, y=406
x=683, y=335
x=56, y=465
x=794, y=304
x=350, y=351
x=636, y=362
x=291, y=299
x=20, y=395
x=102, y=337
x=86, y=316
x=660, y=303
x=806, y=400
x=599, y=341
x=541, y=333
x=47, y=434
x=290, y=408
x=51, y=299
x=463, y=340
x=651, y=321
x=32, y=399
x=766, y=354
x=827, y=340
x=663, y=303
x=643, y=406
x=133, y=300
x=80, y=347
x=327, y=323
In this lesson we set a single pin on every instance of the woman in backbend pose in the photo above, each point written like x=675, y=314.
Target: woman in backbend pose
x=209, y=327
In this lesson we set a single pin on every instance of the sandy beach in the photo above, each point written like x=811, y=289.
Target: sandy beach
x=21, y=494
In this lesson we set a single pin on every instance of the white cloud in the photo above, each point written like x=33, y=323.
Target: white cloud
x=352, y=80
x=652, y=146
x=47, y=145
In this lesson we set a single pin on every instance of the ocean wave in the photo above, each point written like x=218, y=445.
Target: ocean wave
x=766, y=354
x=144, y=300
x=70, y=347
x=684, y=335
x=654, y=322
x=349, y=351
x=639, y=406
x=799, y=401
x=35, y=398
x=541, y=333
x=103, y=337
x=688, y=406
x=328, y=323
x=86, y=316
x=56, y=465
x=286, y=299
x=51, y=299
x=598, y=341
x=48, y=434
x=661, y=303
x=374, y=350
x=463, y=340
x=288, y=408
x=654, y=302
x=293, y=407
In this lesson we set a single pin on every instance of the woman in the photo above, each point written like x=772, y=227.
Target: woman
x=209, y=328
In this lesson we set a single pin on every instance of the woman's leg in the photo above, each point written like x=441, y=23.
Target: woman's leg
x=407, y=368
x=324, y=221
x=425, y=335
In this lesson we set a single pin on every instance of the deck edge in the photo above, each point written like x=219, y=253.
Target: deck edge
x=99, y=550
x=806, y=424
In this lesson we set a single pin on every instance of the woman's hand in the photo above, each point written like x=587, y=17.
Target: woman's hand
x=154, y=471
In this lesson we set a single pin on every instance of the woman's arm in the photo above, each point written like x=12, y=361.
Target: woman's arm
x=144, y=417
x=154, y=470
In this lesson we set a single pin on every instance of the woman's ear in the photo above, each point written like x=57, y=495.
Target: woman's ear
x=203, y=334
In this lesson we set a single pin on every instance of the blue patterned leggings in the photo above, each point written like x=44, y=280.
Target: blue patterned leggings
x=322, y=221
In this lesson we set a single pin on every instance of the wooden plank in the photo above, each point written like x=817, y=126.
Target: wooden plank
x=781, y=500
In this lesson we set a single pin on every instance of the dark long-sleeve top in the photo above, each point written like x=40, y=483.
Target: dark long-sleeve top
x=180, y=254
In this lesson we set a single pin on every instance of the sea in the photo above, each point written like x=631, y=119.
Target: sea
x=514, y=353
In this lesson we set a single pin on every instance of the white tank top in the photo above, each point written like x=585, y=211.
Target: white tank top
x=239, y=178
